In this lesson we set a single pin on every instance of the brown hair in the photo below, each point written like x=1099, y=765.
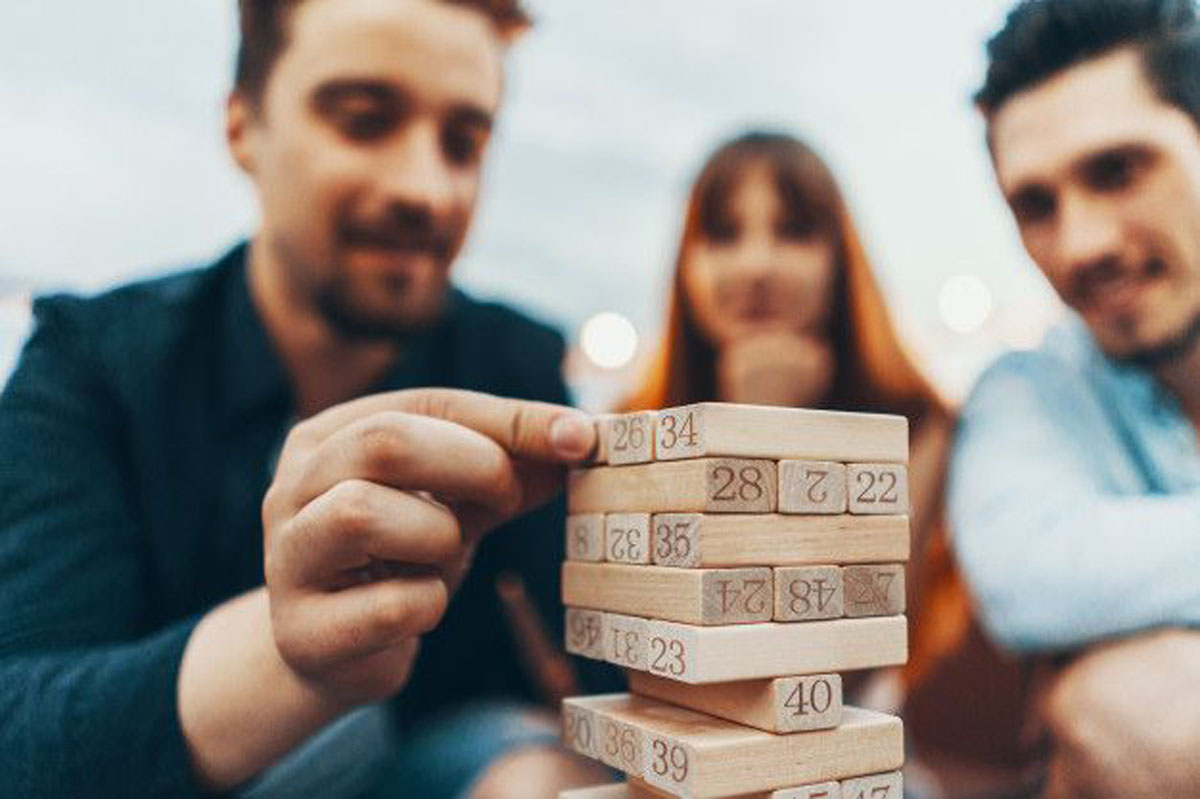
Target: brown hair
x=873, y=371
x=264, y=35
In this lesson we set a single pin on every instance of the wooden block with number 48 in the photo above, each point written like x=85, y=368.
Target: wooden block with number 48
x=691, y=596
x=809, y=593
x=713, y=429
x=780, y=705
x=706, y=485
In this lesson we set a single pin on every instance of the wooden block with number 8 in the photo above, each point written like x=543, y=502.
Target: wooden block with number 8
x=877, y=488
x=714, y=429
x=874, y=590
x=627, y=537
x=781, y=705
x=629, y=438
x=585, y=633
x=812, y=487
x=585, y=537
x=706, y=485
x=691, y=596
x=876, y=786
x=808, y=593
x=625, y=640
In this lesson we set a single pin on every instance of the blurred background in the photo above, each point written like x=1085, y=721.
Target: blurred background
x=113, y=167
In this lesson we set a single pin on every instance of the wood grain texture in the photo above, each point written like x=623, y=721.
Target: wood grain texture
x=752, y=431
x=696, y=540
x=696, y=654
x=706, y=485
x=782, y=705
x=691, y=596
x=696, y=756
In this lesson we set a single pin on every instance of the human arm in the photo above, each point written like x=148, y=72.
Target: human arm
x=1055, y=558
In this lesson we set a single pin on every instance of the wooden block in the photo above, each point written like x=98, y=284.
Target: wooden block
x=580, y=730
x=585, y=537
x=752, y=431
x=876, y=786
x=638, y=789
x=618, y=790
x=625, y=641
x=782, y=705
x=877, y=488
x=627, y=537
x=620, y=744
x=585, y=633
x=629, y=438
x=695, y=756
x=691, y=596
x=812, y=487
x=694, y=540
x=753, y=651
x=600, y=456
x=808, y=593
x=875, y=590
x=713, y=485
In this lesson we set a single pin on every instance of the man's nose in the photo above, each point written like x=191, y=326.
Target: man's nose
x=415, y=173
x=1089, y=233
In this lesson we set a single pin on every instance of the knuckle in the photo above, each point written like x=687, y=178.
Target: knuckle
x=383, y=445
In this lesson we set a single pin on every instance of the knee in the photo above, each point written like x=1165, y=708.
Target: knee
x=538, y=772
x=1125, y=720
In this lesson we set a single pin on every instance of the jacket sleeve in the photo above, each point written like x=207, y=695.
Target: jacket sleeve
x=87, y=691
x=1055, y=560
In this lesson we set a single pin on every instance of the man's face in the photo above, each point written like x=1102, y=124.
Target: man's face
x=1103, y=178
x=366, y=152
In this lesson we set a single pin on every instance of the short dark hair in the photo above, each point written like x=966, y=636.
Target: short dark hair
x=264, y=35
x=1042, y=38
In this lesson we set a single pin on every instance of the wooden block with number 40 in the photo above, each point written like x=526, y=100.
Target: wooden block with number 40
x=781, y=705
x=691, y=596
x=752, y=431
x=706, y=485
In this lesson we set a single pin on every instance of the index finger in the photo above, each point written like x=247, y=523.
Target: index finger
x=524, y=428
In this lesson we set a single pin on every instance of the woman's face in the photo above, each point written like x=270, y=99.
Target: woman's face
x=755, y=275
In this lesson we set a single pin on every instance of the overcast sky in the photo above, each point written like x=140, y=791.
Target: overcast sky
x=112, y=164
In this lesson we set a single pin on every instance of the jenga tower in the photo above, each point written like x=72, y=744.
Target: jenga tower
x=735, y=560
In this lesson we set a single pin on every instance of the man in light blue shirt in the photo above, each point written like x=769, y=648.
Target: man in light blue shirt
x=1075, y=487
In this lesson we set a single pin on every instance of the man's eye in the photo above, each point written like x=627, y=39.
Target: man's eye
x=1111, y=172
x=462, y=147
x=1033, y=206
x=366, y=126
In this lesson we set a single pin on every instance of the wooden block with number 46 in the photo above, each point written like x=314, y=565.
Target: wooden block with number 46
x=781, y=705
x=714, y=429
x=691, y=596
x=706, y=485
x=696, y=756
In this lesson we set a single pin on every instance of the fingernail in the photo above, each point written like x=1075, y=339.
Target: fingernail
x=572, y=435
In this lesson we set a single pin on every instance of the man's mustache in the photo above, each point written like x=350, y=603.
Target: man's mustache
x=1091, y=280
x=409, y=235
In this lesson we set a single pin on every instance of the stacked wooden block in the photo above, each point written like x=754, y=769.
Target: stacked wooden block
x=735, y=560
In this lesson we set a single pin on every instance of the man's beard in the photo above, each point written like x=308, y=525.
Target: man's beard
x=352, y=321
x=1172, y=350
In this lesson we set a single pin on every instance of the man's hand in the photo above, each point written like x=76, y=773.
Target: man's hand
x=775, y=369
x=374, y=511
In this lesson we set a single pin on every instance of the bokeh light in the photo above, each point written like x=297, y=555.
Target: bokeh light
x=609, y=340
x=965, y=304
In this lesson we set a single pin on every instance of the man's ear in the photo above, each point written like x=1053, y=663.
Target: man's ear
x=241, y=131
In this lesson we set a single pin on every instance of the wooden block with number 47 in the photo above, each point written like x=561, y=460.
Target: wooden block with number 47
x=706, y=485
x=714, y=429
x=691, y=596
x=780, y=705
x=874, y=590
x=875, y=786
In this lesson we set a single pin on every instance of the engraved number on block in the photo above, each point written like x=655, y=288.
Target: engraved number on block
x=818, y=697
x=675, y=431
x=626, y=645
x=584, y=631
x=577, y=730
x=629, y=433
x=816, y=482
x=745, y=484
x=751, y=593
x=621, y=743
x=668, y=760
x=624, y=544
x=882, y=488
x=808, y=596
x=672, y=541
x=668, y=656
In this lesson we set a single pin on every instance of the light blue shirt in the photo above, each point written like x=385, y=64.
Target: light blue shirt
x=1075, y=498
